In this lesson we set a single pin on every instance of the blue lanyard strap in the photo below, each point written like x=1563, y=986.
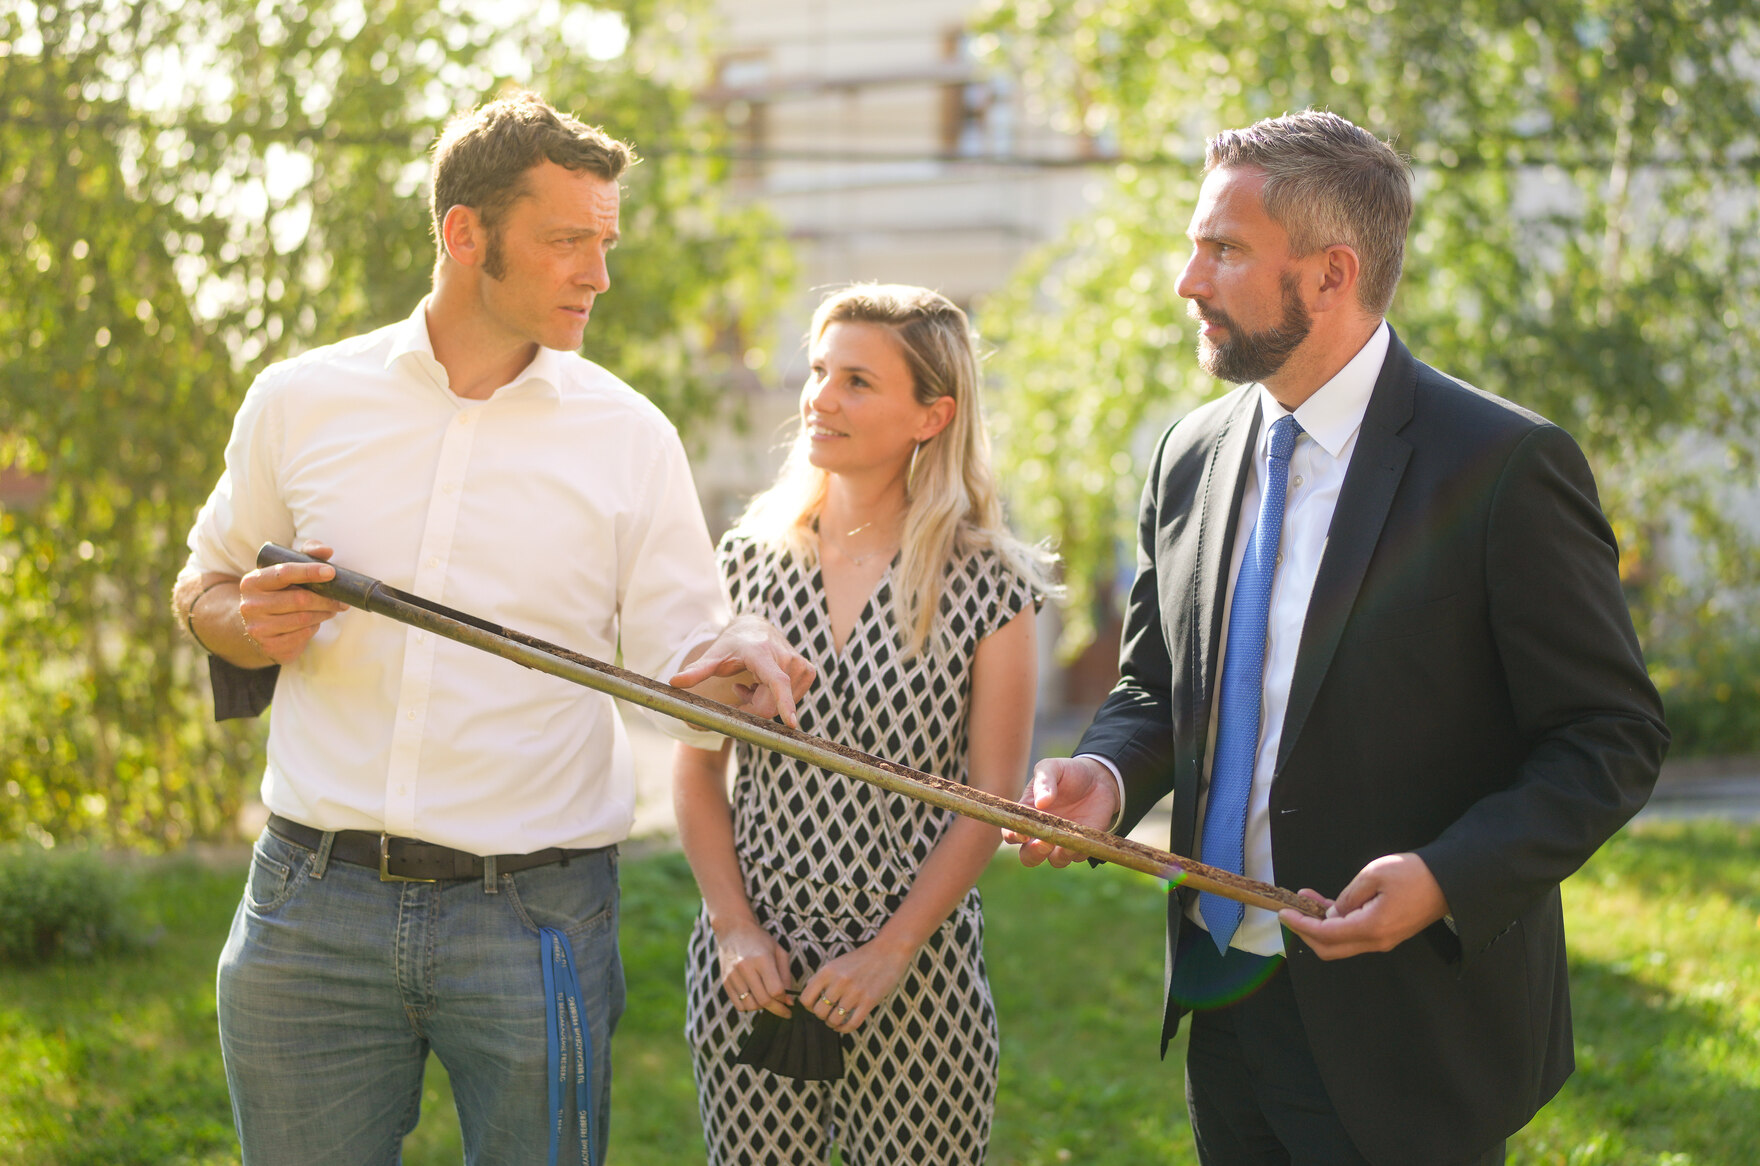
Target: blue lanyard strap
x=568, y=1038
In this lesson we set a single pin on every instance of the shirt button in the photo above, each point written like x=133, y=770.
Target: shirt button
x=403, y=789
x=411, y=714
x=1298, y=480
x=420, y=636
x=464, y=418
x=451, y=487
x=433, y=560
x=1280, y=558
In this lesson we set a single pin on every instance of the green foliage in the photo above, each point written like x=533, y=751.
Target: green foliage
x=1585, y=243
x=54, y=902
x=189, y=190
x=1073, y=427
x=1703, y=641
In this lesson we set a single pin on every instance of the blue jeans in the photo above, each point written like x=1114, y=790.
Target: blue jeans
x=333, y=986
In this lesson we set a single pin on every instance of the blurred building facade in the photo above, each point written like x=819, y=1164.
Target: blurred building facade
x=888, y=152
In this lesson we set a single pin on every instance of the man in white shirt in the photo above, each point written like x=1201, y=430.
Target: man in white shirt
x=1376, y=646
x=436, y=810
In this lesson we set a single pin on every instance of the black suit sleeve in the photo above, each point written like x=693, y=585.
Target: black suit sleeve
x=1134, y=726
x=1578, y=690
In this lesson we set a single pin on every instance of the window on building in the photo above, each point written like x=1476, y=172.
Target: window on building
x=741, y=96
x=975, y=111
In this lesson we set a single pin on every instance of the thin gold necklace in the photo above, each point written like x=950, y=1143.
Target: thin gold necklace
x=858, y=560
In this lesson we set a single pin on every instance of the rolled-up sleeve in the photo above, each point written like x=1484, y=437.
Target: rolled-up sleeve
x=246, y=508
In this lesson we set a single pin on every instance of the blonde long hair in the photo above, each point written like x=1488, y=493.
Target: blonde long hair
x=951, y=504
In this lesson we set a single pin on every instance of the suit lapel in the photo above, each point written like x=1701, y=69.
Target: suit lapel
x=1225, y=480
x=1377, y=466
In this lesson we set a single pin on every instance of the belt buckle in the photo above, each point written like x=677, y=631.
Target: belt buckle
x=385, y=875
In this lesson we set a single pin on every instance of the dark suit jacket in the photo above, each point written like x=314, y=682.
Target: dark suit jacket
x=1468, y=687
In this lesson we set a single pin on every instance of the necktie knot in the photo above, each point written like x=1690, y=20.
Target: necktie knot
x=1283, y=437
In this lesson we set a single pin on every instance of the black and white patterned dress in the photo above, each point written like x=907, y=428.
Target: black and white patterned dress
x=827, y=859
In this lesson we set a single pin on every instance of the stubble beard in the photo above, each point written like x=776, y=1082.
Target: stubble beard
x=1246, y=357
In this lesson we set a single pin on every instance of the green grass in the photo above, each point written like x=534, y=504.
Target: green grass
x=114, y=1060
x=1664, y=932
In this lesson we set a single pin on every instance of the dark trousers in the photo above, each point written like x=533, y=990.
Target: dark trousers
x=1253, y=1090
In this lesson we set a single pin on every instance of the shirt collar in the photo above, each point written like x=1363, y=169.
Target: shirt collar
x=1335, y=412
x=542, y=377
x=411, y=336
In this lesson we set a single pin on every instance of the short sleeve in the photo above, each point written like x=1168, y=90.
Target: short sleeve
x=1010, y=595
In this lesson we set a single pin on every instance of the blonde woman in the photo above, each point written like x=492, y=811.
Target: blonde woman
x=881, y=553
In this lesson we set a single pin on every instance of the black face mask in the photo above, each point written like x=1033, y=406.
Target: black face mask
x=801, y=1046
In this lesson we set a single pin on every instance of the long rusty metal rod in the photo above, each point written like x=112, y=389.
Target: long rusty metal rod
x=369, y=594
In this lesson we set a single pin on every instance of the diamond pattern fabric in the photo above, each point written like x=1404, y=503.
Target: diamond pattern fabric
x=826, y=860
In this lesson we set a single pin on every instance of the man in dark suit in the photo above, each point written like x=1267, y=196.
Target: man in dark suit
x=1376, y=647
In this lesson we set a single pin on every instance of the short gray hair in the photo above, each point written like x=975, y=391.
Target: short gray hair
x=1327, y=182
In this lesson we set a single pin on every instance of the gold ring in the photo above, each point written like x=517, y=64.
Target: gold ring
x=743, y=995
x=843, y=1012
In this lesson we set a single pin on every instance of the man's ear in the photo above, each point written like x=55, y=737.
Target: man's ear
x=463, y=236
x=940, y=413
x=1339, y=269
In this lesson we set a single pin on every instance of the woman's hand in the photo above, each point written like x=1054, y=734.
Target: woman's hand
x=757, y=668
x=754, y=968
x=846, y=991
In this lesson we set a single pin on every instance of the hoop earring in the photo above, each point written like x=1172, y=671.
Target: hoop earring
x=910, y=475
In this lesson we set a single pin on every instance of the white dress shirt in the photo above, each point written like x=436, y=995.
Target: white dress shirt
x=1330, y=421
x=561, y=506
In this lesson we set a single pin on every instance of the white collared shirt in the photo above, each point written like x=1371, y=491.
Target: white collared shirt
x=1330, y=421
x=561, y=506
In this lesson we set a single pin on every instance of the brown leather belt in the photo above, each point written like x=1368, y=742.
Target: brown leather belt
x=410, y=860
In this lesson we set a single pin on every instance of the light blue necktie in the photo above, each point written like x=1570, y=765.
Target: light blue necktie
x=1243, y=691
